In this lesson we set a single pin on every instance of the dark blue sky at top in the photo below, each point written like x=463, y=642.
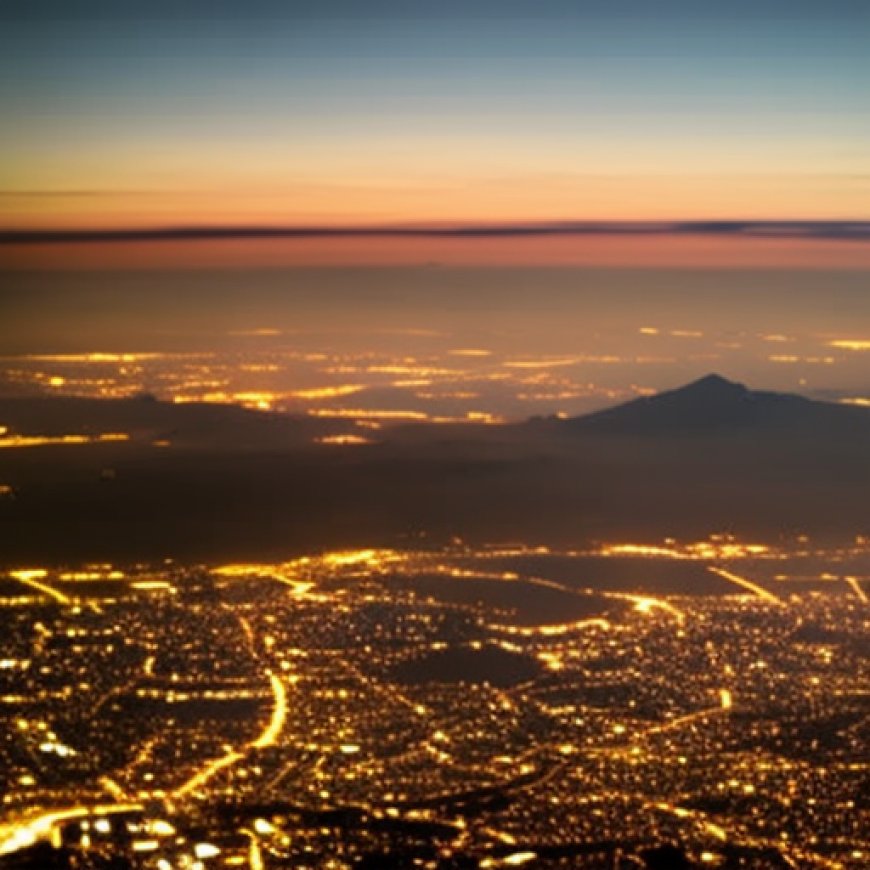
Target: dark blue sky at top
x=78, y=54
x=500, y=27
x=754, y=76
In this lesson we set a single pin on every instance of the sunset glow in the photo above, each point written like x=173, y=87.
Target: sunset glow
x=428, y=116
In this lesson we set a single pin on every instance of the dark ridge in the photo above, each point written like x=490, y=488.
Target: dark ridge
x=844, y=230
x=238, y=486
x=714, y=404
x=145, y=417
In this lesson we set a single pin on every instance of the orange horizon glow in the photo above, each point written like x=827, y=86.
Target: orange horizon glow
x=445, y=180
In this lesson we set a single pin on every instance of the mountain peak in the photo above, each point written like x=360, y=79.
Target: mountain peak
x=713, y=384
x=711, y=403
x=711, y=391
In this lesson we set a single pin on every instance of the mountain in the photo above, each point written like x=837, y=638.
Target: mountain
x=710, y=405
x=715, y=405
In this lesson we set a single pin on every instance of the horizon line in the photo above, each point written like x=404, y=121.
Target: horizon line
x=831, y=230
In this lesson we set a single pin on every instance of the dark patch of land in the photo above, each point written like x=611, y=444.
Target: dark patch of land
x=489, y=664
x=526, y=604
x=651, y=575
x=237, y=484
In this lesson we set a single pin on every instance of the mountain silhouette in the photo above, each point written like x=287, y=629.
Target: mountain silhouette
x=715, y=405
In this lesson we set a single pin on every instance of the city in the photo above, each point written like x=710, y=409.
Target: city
x=434, y=435
x=462, y=707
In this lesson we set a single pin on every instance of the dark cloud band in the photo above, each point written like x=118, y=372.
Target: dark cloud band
x=833, y=230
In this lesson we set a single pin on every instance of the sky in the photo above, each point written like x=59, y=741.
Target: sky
x=348, y=113
x=714, y=155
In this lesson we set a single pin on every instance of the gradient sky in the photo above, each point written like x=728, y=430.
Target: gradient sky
x=349, y=112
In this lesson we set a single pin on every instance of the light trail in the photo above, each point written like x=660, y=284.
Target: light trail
x=646, y=603
x=268, y=737
x=273, y=572
x=689, y=717
x=204, y=775
x=279, y=693
x=250, y=640
x=255, y=856
x=114, y=789
x=856, y=587
x=13, y=441
x=279, y=716
x=760, y=591
x=550, y=630
x=31, y=577
x=20, y=835
x=299, y=587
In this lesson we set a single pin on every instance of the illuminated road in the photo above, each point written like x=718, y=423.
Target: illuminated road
x=706, y=713
x=268, y=736
x=13, y=441
x=207, y=772
x=114, y=789
x=273, y=730
x=760, y=591
x=645, y=604
x=856, y=587
x=20, y=835
x=276, y=572
x=32, y=576
x=255, y=857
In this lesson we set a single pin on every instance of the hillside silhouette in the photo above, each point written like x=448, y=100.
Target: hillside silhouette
x=714, y=403
x=707, y=457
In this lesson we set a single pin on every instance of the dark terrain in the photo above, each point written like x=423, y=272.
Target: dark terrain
x=233, y=484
